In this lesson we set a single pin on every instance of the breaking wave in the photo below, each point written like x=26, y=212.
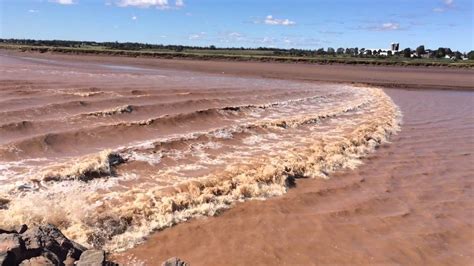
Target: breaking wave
x=201, y=163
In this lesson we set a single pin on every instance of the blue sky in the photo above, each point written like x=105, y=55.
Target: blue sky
x=249, y=23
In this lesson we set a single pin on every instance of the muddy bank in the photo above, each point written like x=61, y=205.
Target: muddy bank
x=388, y=76
x=410, y=203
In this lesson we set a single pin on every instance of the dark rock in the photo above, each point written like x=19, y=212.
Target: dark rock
x=11, y=243
x=3, y=231
x=52, y=257
x=22, y=229
x=92, y=257
x=45, y=245
x=7, y=258
x=38, y=261
x=174, y=262
x=48, y=238
x=4, y=203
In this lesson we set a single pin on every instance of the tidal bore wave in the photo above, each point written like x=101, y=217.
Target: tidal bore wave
x=110, y=165
x=94, y=200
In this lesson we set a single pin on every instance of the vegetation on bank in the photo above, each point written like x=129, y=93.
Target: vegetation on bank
x=406, y=57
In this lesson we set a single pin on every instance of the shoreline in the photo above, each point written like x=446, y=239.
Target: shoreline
x=419, y=78
x=168, y=54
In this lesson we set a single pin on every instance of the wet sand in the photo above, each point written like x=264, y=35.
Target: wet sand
x=409, y=203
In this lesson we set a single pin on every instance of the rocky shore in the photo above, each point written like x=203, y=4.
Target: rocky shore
x=45, y=245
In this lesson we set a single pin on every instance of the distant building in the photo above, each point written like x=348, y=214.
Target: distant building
x=395, y=47
x=382, y=52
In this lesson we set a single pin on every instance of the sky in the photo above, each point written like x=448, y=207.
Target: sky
x=246, y=23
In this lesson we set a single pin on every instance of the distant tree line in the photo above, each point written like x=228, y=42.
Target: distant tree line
x=419, y=52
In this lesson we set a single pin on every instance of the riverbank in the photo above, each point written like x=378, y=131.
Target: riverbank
x=440, y=78
x=236, y=55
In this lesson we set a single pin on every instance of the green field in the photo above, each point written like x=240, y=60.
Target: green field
x=239, y=55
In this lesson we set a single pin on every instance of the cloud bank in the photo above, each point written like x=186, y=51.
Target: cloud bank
x=63, y=2
x=161, y=4
x=270, y=20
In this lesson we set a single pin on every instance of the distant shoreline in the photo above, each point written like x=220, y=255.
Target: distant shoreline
x=407, y=77
x=222, y=56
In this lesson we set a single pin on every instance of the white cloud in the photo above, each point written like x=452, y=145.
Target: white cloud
x=161, y=4
x=234, y=34
x=63, y=2
x=270, y=20
x=197, y=36
x=134, y=17
x=33, y=11
x=390, y=26
x=447, y=4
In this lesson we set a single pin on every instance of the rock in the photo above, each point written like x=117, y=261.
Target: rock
x=4, y=203
x=54, y=258
x=45, y=245
x=22, y=229
x=92, y=257
x=174, y=262
x=70, y=261
x=48, y=238
x=37, y=261
x=7, y=258
x=11, y=243
x=3, y=231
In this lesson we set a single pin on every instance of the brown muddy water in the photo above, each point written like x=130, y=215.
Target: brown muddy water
x=410, y=203
x=113, y=153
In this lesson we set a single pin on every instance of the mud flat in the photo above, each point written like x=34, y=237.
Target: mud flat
x=441, y=78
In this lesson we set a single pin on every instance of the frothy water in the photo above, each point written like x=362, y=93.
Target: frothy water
x=115, y=156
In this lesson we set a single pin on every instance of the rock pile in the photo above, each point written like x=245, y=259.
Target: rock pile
x=45, y=245
x=174, y=262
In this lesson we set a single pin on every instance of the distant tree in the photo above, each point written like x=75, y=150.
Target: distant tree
x=356, y=51
x=441, y=52
x=449, y=51
x=348, y=51
x=368, y=52
x=320, y=51
x=389, y=53
x=340, y=50
x=470, y=55
x=212, y=47
x=331, y=51
x=420, y=50
x=407, y=52
x=458, y=55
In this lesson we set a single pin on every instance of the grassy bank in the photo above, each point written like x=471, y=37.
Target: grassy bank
x=239, y=55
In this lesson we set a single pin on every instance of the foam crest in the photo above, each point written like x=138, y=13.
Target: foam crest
x=252, y=159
